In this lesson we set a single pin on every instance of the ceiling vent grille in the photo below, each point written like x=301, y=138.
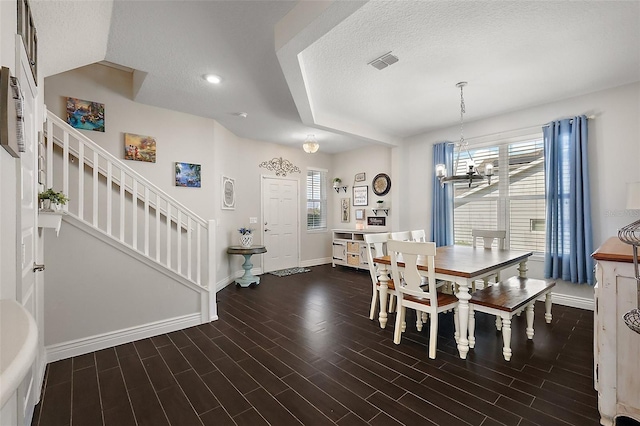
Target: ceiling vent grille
x=384, y=61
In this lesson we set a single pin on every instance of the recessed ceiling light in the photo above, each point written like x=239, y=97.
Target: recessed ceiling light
x=242, y=114
x=212, y=78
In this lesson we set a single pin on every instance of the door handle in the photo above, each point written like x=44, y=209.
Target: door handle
x=267, y=229
x=38, y=268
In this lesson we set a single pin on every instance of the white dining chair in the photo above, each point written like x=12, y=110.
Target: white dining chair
x=419, y=235
x=376, y=247
x=409, y=293
x=488, y=239
x=401, y=236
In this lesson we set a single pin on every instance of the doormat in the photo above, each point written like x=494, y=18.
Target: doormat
x=289, y=271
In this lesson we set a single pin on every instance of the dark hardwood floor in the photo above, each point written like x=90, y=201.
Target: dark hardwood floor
x=302, y=350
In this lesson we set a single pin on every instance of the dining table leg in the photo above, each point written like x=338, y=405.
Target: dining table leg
x=463, y=310
x=522, y=269
x=383, y=289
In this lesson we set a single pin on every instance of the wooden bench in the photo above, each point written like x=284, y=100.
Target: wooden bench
x=506, y=299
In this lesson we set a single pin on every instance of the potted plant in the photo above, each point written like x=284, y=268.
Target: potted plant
x=336, y=182
x=51, y=197
x=246, y=237
x=380, y=204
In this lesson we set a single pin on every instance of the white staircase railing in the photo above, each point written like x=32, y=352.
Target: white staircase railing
x=111, y=197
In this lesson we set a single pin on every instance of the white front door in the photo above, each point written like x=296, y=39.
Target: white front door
x=280, y=213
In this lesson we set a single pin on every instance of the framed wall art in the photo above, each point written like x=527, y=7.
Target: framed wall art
x=228, y=193
x=139, y=148
x=360, y=214
x=361, y=177
x=376, y=221
x=188, y=175
x=345, y=212
x=360, y=195
x=85, y=115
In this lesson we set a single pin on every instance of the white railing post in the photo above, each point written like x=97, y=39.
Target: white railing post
x=81, y=179
x=109, y=195
x=95, y=187
x=212, y=308
x=65, y=168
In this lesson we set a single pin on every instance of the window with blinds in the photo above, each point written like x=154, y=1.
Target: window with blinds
x=514, y=200
x=316, y=199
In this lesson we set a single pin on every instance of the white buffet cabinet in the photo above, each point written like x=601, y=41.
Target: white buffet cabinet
x=349, y=248
x=616, y=347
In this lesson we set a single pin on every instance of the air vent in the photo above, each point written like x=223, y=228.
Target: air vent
x=383, y=61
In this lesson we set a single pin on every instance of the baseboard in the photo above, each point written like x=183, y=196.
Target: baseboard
x=572, y=301
x=315, y=262
x=101, y=341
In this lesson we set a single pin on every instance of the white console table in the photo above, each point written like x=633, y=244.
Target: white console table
x=616, y=347
x=349, y=248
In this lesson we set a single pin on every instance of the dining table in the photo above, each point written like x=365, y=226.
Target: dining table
x=461, y=265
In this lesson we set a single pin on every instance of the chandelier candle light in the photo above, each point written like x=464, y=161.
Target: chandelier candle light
x=472, y=173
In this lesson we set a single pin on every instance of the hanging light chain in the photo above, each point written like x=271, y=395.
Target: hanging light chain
x=462, y=111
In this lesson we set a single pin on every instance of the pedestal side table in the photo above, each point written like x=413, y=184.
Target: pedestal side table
x=248, y=278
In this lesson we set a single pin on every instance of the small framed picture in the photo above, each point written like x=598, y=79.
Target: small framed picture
x=188, y=175
x=361, y=177
x=345, y=212
x=228, y=193
x=360, y=195
x=376, y=221
x=360, y=214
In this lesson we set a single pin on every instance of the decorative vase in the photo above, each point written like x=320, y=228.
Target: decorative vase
x=246, y=240
x=46, y=205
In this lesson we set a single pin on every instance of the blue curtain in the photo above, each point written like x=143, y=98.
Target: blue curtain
x=569, y=240
x=442, y=210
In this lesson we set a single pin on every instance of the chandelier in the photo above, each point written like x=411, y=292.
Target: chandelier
x=472, y=174
x=310, y=145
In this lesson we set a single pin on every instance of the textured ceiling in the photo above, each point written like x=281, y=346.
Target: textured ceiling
x=313, y=77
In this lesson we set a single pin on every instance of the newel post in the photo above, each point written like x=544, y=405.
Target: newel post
x=209, y=306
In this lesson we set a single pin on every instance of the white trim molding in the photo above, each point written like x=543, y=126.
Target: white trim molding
x=114, y=338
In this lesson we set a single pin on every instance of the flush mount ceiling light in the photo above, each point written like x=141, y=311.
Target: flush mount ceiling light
x=242, y=114
x=212, y=78
x=472, y=173
x=310, y=145
x=384, y=61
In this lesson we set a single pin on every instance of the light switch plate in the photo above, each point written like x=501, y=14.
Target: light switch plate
x=253, y=220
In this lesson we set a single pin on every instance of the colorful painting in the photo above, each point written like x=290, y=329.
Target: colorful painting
x=85, y=115
x=139, y=148
x=188, y=175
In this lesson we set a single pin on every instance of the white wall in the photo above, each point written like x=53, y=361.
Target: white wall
x=614, y=155
x=371, y=160
x=93, y=289
x=188, y=138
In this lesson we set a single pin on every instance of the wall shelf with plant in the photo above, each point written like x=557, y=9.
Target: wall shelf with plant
x=337, y=185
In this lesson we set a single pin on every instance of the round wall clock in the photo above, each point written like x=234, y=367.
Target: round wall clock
x=381, y=184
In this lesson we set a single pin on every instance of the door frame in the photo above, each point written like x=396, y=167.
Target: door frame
x=262, y=209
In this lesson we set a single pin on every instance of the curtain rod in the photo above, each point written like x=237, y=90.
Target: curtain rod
x=590, y=117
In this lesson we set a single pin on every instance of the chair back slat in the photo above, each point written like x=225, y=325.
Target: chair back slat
x=411, y=253
x=488, y=237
